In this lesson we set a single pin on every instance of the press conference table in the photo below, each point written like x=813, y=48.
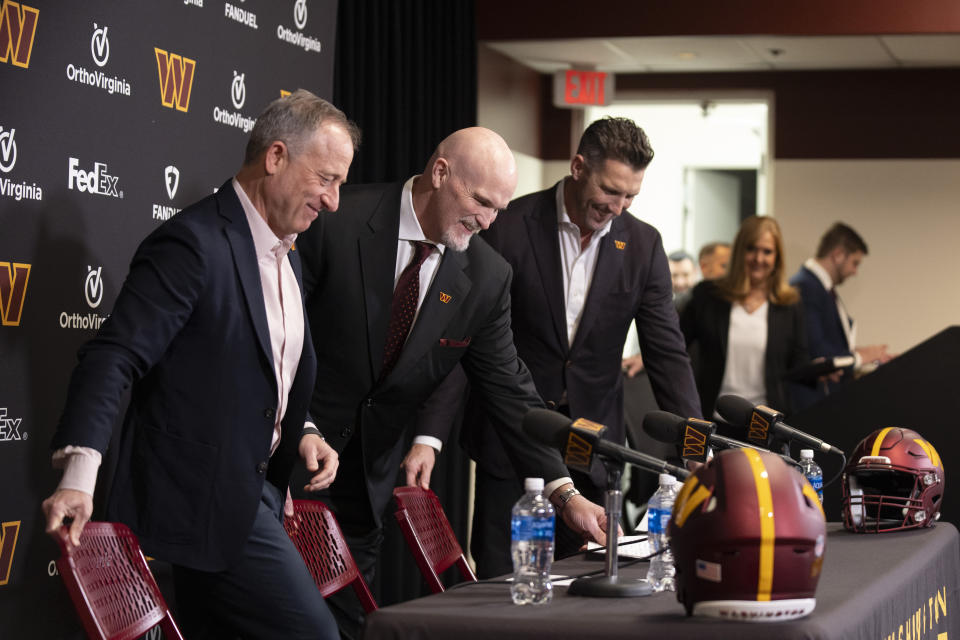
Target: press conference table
x=890, y=586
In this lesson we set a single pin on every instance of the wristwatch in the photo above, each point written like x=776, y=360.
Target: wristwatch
x=564, y=497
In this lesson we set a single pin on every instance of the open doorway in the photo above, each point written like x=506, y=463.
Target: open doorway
x=710, y=165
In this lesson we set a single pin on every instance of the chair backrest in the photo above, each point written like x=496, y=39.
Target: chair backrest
x=317, y=536
x=429, y=535
x=111, y=586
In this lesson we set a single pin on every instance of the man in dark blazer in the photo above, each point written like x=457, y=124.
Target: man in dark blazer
x=210, y=334
x=830, y=330
x=352, y=263
x=583, y=272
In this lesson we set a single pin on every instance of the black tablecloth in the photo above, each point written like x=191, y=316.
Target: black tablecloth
x=891, y=586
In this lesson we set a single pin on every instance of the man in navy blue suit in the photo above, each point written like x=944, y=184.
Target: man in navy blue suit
x=831, y=332
x=209, y=333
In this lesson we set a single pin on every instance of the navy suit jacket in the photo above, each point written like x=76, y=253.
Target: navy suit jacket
x=189, y=336
x=825, y=334
x=631, y=283
x=705, y=321
x=349, y=264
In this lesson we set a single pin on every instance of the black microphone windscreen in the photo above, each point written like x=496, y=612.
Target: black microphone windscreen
x=547, y=427
x=663, y=426
x=735, y=410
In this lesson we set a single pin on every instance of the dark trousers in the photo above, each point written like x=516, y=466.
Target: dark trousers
x=268, y=594
x=493, y=500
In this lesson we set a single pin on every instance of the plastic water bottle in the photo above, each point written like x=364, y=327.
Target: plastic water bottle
x=531, y=527
x=812, y=471
x=662, y=571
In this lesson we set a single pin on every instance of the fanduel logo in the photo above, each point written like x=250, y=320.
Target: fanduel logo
x=243, y=16
x=100, y=52
x=238, y=91
x=171, y=178
x=93, y=287
x=99, y=45
x=13, y=291
x=298, y=38
x=10, y=427
x=176, y=79
x=8, y=544
x=171, y=181
x=8, y=150
x=18, y=25
x=97, y=181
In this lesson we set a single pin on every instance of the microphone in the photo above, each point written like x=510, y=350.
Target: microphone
x=764, y=424
x=694, y=435
x=581, y=440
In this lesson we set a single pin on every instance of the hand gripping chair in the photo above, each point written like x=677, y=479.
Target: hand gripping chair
x=113, y=591
x=317, y=536
x=429, y=535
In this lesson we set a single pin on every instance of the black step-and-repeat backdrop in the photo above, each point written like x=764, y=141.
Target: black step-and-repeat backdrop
x=114, y=115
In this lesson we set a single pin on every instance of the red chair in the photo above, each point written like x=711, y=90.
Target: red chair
x=429, y=535
x=317, y=536
x=111, y=586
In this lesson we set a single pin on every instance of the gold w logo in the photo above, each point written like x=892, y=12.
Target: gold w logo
x=18, y=24
x=694, y=443
x=176, y=79
x=758, y=428
x=578, y=451
x=8, y=542
x=444, y=297
x=620, y=244
x=13, y=291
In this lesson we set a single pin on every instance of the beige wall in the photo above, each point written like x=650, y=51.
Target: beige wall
x=908, y=212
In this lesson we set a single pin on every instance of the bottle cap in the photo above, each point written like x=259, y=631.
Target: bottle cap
x=533, y=484
x=806, y=454
x=666, y=479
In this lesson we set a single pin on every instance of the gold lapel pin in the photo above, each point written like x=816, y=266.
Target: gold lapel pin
x=620, y=244
x=444, y=297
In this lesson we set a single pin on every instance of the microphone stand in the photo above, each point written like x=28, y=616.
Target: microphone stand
x=610, y=585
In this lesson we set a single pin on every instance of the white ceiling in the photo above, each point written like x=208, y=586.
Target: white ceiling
x=671, y=54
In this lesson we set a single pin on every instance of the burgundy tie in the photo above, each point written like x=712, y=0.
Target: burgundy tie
x=404, y=307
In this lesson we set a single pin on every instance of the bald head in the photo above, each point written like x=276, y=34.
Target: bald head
x=469, y=178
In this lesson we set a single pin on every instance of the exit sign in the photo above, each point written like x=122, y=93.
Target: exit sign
x=579, y=88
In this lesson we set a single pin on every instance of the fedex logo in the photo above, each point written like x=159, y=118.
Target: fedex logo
x=97, y=181
x=10, y=427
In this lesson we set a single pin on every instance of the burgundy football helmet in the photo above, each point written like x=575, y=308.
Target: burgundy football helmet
x=748, y=534
x=893, y=481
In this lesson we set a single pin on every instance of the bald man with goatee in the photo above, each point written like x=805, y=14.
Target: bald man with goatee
x=359, y=266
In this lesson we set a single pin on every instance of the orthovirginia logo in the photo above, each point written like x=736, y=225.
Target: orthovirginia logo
x=243, y=16
x=176, y=79
x=93, y=294
x=238, y=96
x=10, y=428
x=8, y=544
x=97, y=181
x=298, y=38
x=18, y=25
x=13, y=291
x=8, y=150
x=171, y=180
x=8, y=159
x=100, y=52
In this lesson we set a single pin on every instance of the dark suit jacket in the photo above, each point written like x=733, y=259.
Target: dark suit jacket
x=631, y=283
x=349, y=262
x=705, y=321
x=189, y=333
x=825, y=334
